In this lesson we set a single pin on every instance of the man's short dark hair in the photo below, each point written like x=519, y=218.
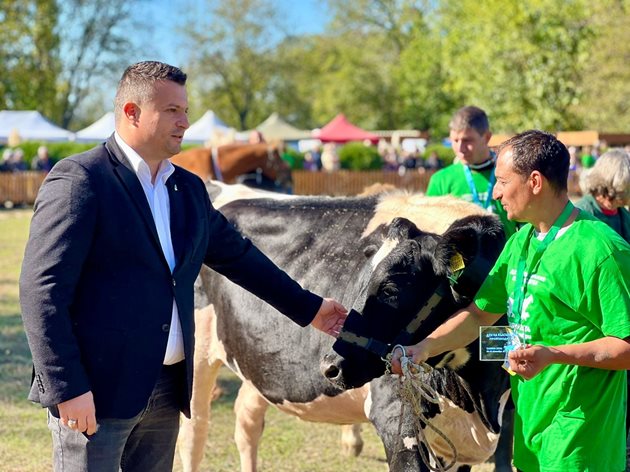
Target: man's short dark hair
x=470, y=117
x=138, y=80
x=536, y=150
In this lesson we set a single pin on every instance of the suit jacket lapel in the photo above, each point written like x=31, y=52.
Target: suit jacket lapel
x=122, y=168
x=177, y=216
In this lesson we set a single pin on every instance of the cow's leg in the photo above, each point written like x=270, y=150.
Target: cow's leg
x=194, y=431
x=351, y=440
x=250, y=408
x=398, y=434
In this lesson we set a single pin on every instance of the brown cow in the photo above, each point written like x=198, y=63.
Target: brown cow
x=262, y=161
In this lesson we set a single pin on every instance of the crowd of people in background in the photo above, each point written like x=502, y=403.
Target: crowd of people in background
x=325, y=157
x=13, y=160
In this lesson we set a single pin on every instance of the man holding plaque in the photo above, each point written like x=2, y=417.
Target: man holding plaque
x=564, y=279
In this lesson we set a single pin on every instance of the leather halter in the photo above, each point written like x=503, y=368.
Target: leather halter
x=465, y=280
x=382, y=348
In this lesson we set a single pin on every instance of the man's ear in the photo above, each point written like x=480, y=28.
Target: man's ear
x=536, y=182
x=486, y=136
x=131, y=112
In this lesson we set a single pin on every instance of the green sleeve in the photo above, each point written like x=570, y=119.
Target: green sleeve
x=606, y=300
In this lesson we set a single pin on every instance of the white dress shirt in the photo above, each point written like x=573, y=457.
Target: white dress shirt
x=157, y=196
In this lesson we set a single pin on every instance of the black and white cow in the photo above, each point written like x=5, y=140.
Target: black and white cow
x=406, y=295
x=324, y=243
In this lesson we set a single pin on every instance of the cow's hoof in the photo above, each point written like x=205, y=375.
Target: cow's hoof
x=352, y=450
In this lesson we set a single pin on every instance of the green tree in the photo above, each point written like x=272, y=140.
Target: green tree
x=521, y=61
x=425, y=101
x=360, y=76
x=95, y=44
x=233, y=61
x=29, y=53
x=51, y=51
x=604, y=105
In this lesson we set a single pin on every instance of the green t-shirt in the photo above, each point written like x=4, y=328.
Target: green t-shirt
x=452, y=181
x=569, y=418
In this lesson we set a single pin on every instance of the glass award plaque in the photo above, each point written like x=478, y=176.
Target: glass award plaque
x=496, y=341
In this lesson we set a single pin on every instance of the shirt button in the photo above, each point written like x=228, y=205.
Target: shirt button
x=165, y=327
x=174, y=282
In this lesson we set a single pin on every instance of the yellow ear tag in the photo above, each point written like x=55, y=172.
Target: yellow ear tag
x=457, y=262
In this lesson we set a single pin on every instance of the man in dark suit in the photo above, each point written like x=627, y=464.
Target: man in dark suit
x=117, y=239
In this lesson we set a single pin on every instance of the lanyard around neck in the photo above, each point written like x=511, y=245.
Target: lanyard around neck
x=473, y=188
x=522, y=276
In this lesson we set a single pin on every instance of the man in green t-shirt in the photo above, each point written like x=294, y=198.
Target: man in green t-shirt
x=564, y=279
x=471, y=177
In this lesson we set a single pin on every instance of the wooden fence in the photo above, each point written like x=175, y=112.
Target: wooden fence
x=19, y=188
x=343, y=183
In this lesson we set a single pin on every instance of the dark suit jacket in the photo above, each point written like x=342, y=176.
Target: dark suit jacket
x=97, y=293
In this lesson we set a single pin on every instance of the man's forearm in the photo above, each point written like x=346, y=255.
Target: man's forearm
x=459, y=330
x=605, y=353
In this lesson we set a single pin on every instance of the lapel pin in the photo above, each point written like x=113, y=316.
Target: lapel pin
x=175, y=187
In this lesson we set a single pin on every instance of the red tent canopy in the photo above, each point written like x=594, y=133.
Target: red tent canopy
x=340, y=130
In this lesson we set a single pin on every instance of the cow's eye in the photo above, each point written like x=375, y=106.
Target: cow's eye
x=388, y=294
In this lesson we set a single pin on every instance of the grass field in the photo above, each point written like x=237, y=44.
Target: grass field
x=288, y=444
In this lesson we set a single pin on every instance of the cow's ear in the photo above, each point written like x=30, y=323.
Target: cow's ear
x=370, y=250
x=468, y=251
x=463, y=241
x=402, y=228
x=467, y=235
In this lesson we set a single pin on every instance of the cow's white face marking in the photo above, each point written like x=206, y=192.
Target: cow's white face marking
x=387, y=247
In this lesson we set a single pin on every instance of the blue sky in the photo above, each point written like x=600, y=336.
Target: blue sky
x=168, y=17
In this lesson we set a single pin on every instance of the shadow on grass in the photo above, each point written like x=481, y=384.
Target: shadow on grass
x=229, y=385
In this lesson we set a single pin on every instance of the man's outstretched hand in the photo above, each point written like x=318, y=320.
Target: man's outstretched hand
x=330, y=317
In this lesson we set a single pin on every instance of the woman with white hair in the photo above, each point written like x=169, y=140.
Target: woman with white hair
x=606, y=188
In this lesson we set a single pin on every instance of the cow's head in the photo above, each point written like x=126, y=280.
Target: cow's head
x=415, y=281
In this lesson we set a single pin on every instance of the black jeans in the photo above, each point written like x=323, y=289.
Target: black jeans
x=141, y=444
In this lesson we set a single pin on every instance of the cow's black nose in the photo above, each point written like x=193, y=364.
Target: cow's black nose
x=331, y=372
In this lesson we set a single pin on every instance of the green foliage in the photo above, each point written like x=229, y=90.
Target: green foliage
x=232, y=53
x=51, y=51
x=606, y=76
x=394, y=64
x=357, y=156
x=29, y=54
x=445, y=153
x=518, y=60
x=293, y=157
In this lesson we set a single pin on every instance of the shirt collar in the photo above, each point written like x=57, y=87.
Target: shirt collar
x=140, y=167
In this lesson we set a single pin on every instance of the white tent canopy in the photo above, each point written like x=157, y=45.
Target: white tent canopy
x=206, y=128
x=274, y=127
x=30, y=125
x=100, y=130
